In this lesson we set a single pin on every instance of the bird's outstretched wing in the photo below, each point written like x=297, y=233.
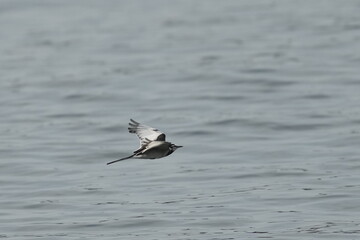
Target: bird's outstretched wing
x=145, y=133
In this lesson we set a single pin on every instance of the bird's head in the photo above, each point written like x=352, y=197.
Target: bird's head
x=173, y=147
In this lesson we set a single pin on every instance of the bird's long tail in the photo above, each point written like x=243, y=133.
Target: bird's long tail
x=121, y=159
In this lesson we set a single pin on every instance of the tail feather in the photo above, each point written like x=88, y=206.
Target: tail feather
x=121, y=159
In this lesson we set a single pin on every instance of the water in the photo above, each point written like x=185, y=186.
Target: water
x=263, y=95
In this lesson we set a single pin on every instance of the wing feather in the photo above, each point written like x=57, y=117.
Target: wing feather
x=145, y=133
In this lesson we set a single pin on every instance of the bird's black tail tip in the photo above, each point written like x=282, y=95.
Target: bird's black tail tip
x=120, y=159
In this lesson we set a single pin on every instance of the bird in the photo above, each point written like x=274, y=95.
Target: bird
x=152, y=143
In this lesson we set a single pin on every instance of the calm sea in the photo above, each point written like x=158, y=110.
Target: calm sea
x=263, y=95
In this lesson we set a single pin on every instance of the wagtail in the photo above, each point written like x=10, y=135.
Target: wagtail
x=152, y=143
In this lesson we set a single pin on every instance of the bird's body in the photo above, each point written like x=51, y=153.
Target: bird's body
x=152, y=143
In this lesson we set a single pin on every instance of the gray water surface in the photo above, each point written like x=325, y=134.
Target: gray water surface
x=263, y=95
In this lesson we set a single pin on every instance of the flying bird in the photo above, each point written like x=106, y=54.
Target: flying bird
x=152, y=143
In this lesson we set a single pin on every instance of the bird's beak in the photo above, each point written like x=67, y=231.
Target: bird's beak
x=179, y=146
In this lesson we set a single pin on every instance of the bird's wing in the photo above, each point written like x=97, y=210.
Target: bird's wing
x=145, y=133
